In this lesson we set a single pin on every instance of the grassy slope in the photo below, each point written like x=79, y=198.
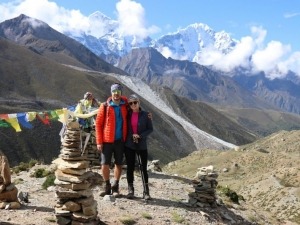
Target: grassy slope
x=265, y=172
x=262, y=122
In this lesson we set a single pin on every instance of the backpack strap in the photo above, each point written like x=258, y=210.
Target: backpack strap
x=105, y=107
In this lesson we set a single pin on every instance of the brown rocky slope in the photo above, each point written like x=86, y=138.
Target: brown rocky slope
x=266, y=173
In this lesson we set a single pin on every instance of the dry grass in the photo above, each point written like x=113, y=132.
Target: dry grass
x=269, y=179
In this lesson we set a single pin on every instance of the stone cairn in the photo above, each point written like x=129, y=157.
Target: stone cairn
x=75, y=201
x=8, y=191
x=154, y=166
x=205, y=185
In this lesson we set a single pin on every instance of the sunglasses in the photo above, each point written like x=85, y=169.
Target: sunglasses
x=116, y=92
x=131, y=103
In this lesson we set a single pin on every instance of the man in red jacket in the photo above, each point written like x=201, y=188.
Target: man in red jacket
x=111, y=132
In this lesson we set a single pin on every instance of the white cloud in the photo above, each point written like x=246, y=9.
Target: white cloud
x=166, y=52
x=57, y=17
x=259, y=34
x=290, y=15
x=292, y=63
x=253, y=54
x=250, y=53
x=35, y=23
x=238, y=57
x=131, y=17
x=268, y=58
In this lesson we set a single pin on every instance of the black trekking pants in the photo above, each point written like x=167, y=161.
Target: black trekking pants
x=130, y=155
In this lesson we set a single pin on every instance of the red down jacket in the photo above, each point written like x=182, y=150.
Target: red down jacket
x=105, y=125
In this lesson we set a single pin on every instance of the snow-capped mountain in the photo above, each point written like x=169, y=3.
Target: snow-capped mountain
x=187, y=43
x=109, y=41
x=187, y=79
x=196, y=43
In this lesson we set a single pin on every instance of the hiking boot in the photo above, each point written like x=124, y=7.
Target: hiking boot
x=115, y=189
x=107, y=190
x=130, y=194
x=146, y=194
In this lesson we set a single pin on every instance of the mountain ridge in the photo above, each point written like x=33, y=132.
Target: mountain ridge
x=64, y=82
x=50, y=85
x=265, y=94
x=41, y=38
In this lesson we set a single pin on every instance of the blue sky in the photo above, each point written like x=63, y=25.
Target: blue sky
x=273, y=25
x=280, y=18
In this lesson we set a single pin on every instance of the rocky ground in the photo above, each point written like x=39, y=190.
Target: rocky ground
x=168, y=206
x=266, y=173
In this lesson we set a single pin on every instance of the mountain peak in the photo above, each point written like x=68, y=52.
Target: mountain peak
x=22, y=16
x=29, y=21
x=198, y=26
x=21, y=27
x=23, y=23
x=99, y=16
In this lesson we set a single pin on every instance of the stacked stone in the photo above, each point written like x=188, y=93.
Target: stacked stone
x=75, y=201
x=90, y=150
x=154, y=166
x=8, y=191
x=205, y=185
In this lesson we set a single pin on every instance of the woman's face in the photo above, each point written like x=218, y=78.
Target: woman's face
x=134, y=104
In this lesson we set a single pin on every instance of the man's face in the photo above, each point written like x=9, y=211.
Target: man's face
x=116, y=95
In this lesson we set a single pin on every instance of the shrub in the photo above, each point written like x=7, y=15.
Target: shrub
x=127, y=220
x=24, y=166
x=49, y=181
x=32, y=163
x=146, y=216
x=232, y=195
x=177, y=218
x=41, y=172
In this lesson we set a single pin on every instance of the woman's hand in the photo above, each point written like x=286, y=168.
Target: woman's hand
x=100, y=147
x=135, y=138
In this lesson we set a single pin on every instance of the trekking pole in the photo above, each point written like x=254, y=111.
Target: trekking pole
x=87, y=138
x=141, y=170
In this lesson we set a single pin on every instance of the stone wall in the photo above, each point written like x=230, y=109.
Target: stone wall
x=8, y=191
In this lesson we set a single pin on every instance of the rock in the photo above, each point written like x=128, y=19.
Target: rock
x=71, y=164
x=2, y=187
x=71, y=206
x=9, y=196
x=90, y=210
x=109, y=198
x=60, y=175
x=154, y=166
x=23, y=197
x=225, y=170
x=13, y=205
x=3, y=204
x=4, y=171
x=70, y=194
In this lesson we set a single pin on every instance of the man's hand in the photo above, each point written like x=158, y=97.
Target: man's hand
x=100, y=147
